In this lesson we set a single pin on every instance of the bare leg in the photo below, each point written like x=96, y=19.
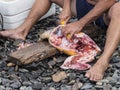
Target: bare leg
x=113, y=38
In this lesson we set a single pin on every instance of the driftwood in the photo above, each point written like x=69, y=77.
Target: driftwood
x=33, y=53
x=43, y=49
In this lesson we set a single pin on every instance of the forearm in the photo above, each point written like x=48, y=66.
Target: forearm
x=100, y=7
x=39, y=8
x=67, y=5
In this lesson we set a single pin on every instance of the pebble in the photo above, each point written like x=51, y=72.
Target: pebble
x=114, y=88
x=87, y=86
x=59, y=76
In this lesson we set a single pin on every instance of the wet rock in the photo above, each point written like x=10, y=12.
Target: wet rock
x=59, y=76
x=98, y=87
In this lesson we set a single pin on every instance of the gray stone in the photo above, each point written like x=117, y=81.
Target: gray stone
x=98, y=87
x=114, y=88
x=77, y=86
x=29, y=88
x=16, y=85
x=119, y=88
x=23, y=87
x=99, y=83
x=8, y=88
x=0, y=80
x=27, y=83
x=71, y=76
x=115, y=75
x=37, y=85
x=52, y=88
x=87, y=86
x=46, y=79
x=2, y=87
x=107, y=87
x=23, y=70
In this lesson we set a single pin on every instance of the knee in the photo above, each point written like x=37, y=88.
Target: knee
x=114, y=11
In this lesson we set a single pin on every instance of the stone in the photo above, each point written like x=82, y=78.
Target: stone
x=29, y=88
x=57, y=77
x=23, y=87
x=77, y=86
x=87, y=86
x=52, y=88
x=8, y=88
x=16, y=85
x=99, y=83
x=27, y=83
x=114, y=88
x=107, y=87
x=2, y=87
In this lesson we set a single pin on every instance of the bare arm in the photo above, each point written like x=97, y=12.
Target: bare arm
x=66, y=12
x=100, y=7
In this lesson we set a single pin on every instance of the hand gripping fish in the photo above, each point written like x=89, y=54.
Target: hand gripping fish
x=81, y=48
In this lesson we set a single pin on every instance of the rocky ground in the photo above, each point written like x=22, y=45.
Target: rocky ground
x=47, y=74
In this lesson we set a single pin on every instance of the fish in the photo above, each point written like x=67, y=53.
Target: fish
x=81, y=49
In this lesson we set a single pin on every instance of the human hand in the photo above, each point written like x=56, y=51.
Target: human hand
x=72, y=28
x=65, y=15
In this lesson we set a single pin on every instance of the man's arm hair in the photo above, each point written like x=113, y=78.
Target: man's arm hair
x=100, y=7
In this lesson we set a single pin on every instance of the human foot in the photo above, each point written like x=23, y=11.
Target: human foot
x=96, y=72
x=18, y=33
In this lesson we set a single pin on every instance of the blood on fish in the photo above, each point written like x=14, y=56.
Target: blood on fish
x=81, y=46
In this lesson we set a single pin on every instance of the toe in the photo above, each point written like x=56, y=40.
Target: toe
x=87, y=74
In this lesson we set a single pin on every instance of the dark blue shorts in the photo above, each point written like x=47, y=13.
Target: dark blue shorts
x=83, y=7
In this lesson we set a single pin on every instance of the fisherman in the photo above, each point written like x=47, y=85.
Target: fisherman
x=104, y=13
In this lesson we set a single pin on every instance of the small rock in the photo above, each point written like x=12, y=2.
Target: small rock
x=59, y=76
x=114, y=88
x=16, y=85
x=8, y=88
x=87, y=86
x=71, y=76
x=37, y=85
x=99, y=83
x=52, y=88
x=98, y=87
x=77, y=86
x=23, y=70
x=23, y=87
x=107, y=87
x=71, y=82
x=29, y=88
x=2, y=87
x=27, y=83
